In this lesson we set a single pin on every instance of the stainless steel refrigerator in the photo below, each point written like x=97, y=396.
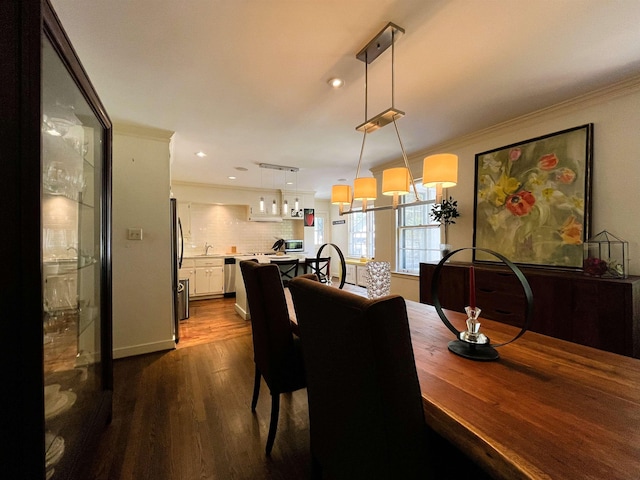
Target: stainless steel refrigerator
x=180, y=288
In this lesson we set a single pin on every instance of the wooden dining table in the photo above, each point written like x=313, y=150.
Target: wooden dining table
x=546, y=409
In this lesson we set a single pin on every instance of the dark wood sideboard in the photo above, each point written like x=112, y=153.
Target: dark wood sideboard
x=602, y=313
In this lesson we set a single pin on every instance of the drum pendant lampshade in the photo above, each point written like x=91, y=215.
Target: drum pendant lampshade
x=365, y=188
x=340, y=194
x=441, y=168
x=395, y=181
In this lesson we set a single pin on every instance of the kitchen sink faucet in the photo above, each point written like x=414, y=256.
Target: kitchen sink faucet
x=206, y=248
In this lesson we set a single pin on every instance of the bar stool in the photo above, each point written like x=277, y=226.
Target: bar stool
x=288, y=269
x=320, y=267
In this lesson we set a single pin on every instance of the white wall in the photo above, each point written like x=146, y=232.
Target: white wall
x=142, y=294
x=615, y=113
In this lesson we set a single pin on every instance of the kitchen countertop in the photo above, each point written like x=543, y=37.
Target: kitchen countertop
x=214, y=255
x=356, y=261
x=244, y=255
x=241, y=306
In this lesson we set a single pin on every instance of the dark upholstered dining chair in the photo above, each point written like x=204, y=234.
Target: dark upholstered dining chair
x=288, y=269
x=276, y=349
x=321, y=267
x=365, y=407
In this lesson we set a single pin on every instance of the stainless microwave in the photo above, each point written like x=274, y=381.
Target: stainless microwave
x=294, y=246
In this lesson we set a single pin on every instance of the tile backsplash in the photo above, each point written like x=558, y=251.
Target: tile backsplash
x=224, y=226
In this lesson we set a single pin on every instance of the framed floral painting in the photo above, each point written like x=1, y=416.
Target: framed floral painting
x=532, y=199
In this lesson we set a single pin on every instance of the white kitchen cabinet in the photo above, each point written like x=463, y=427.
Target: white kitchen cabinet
x=350, y=274
x=305, y=200
x=209, y=276
x=290, y=198
x=267, y=215
x=188, y=271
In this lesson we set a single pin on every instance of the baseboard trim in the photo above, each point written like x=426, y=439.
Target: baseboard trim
x=142, y=349
x=243, y=313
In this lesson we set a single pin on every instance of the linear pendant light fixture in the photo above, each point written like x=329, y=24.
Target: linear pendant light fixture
x=397, y=181
x=285, y=203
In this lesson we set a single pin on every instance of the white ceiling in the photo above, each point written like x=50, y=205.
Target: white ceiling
x=246, y=80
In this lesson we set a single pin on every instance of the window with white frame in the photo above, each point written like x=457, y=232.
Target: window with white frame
x=362, y=234
x=418, y=235
x=319, y=229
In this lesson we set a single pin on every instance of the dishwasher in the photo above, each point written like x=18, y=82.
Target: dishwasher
x=230, y=277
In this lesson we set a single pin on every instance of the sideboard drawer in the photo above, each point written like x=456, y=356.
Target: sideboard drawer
x=500, y=296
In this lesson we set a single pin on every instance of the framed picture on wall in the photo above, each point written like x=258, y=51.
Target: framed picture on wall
x=309, y=217
x=532, y=199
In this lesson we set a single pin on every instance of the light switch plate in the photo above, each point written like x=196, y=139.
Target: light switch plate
x=134, y=234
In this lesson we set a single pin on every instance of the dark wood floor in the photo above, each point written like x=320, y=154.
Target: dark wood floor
x=210, y=321
x=185, y=414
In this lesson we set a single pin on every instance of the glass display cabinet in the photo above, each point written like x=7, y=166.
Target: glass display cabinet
x=59, y=166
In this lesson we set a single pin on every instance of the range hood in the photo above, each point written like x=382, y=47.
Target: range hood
x=265, y=218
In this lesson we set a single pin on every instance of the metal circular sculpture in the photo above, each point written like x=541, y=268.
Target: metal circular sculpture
x=471, y=343
x=343, y=264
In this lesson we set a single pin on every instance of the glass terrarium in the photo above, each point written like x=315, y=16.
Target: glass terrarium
x=605, y=255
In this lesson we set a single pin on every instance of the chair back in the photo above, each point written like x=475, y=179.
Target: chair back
x=273, y=344
x=366, y=417
x=321, y=267
x=288, y=269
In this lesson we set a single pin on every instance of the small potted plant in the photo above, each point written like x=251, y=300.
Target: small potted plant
x=445, y=214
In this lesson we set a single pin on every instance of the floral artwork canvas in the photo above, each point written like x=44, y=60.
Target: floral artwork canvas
x=532, y=201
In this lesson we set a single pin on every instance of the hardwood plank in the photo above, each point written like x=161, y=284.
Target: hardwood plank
x=211, y=320
x=185, y=414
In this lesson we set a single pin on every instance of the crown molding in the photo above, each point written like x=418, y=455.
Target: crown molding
x=141, y=131
x=605, y=94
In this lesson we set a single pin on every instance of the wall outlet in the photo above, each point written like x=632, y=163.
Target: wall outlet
x=134, y=234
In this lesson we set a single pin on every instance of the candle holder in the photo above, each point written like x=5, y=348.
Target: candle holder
x=473, y=344
x=473, y=335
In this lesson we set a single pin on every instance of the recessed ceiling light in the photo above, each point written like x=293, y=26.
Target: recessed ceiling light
x=335, y=82
x=289, y=183
x=342, y=179
x=200, y=154
x=231, y=177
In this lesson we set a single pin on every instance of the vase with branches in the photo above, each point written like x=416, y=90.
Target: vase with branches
x=445, y=214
